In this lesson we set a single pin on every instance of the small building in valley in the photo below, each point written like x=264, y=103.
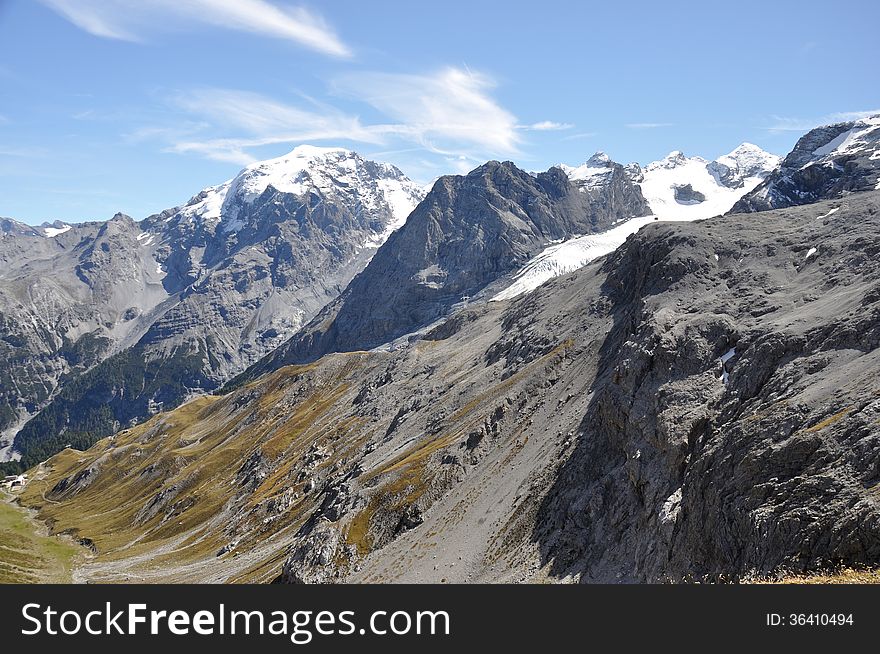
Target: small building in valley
x=14, y=481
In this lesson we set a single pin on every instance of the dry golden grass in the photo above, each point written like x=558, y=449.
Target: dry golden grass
x=193, y=455
x=842, y=576
x=197, y=448
x=829, y=420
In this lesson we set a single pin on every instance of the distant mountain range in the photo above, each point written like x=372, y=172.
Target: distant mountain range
x=693, y=400
x=103, y=325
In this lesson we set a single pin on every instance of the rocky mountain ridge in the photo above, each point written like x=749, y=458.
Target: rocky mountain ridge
x=827, y=162
x=669, y=186
x=198, y=292
x=699, y=405
x=470, y=231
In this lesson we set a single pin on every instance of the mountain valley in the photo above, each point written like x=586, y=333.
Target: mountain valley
x=318, y=373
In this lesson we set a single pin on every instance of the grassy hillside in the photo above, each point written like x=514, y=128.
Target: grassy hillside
x=27, y=556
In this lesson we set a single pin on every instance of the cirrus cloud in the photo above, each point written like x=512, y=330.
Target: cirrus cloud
x=790, y=124
x=449, y=113
x=547, y=126
x=128, y=20
x=445, y=112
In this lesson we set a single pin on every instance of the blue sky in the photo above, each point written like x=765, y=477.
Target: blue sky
x=134, y=106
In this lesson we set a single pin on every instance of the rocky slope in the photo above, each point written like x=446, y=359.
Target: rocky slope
x=703, y=403
x=609, y=185
x=827, y=162
x=470, y=231
x=66, y=295
x=181, y=301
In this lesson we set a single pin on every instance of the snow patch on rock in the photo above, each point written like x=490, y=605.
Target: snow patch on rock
x=561, y=258
x=52, y=232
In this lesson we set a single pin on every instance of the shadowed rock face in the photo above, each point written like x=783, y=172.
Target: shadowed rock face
x=64, y=300
x=470, y=231
x=827, y=162
x=733, y=426
x=703, y=403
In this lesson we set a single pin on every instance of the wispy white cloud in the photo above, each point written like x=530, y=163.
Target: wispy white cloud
x=580, y=135
x=854, y=115
x=255, y=120
x=547, y=126
x=450, y=114
x=647, y=125
x=23, y=153
x=181, y=130
x=261, y=115
x=131, y=20
x=791, y=124
x=788, y=124
x=462, y=164
x=103, y=19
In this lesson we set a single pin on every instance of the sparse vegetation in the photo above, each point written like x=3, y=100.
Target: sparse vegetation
x=830, y=420
x=107, y=398
x=27, y=556
x=842, y=576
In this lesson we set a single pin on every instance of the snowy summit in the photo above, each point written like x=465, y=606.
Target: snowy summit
x=676, y=187
x=327, y=172
x=679, y=187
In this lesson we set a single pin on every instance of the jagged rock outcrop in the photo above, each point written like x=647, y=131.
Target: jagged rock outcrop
x=721, y=440
x=612, y=187
x=826, y=163
x=685, y=194
x=67, y=296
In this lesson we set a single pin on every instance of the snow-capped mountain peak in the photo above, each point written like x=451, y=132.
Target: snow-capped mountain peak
x=826, y=162
x=674, y=159
x=863, y=133
x=331, y=173
x=679, y=187
x=593, y=172
x=206, y=205
x=749, y=154
x=745, y=161
x=295, y=172
x=599, y=159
